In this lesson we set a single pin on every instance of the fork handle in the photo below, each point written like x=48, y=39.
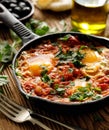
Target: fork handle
x=35, y=121
x=34, y=114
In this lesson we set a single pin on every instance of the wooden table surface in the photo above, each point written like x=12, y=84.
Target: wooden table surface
x=93, y=120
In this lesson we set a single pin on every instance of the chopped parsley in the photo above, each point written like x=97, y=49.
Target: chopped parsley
x=84, y=92
x=44, y=76
x=70, y=55
x=65, y=38
x=60, y=91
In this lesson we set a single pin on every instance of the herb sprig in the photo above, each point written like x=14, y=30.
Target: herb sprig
x=6, y=54
x=3, y=80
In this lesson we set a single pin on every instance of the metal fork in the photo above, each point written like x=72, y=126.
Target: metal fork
x=20, y=114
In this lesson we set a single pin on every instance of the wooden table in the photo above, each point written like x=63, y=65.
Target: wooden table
x=93, y=120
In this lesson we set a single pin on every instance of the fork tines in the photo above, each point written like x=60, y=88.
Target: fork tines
x=7, y=106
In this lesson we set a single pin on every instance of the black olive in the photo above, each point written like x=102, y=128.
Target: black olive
x=13, y=1
x=22, y=4
x=5, y=2
x=10, y=9
x=15, y=15
x=17, y=10
x=26, y=10
x=13, y=5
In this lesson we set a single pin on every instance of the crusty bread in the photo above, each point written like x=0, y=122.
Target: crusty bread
x=55, y=5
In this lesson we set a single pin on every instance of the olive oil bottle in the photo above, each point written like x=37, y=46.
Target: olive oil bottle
x=89, y=16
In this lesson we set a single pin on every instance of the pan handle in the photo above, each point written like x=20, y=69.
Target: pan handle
x=23, y=32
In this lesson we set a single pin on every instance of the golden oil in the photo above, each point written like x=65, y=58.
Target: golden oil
x=89, y=19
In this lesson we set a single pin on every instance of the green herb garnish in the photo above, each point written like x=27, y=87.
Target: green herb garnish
x=38, y=27
x=3, y=80
x=96, y=97
x=65, y=38
x=60, y=91
x=77, y=97
x=45, y=78
x=6, y=54
x=82, y=93
x=70, y=55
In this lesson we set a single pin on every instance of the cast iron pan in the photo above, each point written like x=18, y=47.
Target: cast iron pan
x=30, y=39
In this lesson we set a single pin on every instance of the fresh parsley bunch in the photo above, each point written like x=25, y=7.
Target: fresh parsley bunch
x=3, y=80
x=6, y=55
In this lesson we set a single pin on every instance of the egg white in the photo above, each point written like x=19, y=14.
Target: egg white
x=37, y=63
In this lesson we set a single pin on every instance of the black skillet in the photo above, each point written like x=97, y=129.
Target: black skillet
x=30, y=39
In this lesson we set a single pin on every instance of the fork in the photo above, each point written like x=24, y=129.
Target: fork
x=21, y=114
x=17, y=113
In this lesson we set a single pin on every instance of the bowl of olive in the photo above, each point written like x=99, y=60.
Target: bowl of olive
x=21, y=9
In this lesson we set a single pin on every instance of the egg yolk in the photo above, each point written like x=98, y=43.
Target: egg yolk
x=92, y=61
x=91, y=56
x=91, y=70
x=37, y=63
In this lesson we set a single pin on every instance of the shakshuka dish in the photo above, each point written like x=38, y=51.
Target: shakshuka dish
x=66, y=70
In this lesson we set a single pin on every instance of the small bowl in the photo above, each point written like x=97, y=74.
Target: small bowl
x=21, y=9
